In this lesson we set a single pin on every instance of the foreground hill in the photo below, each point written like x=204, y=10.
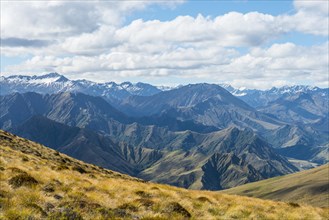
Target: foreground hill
x=37, y=182
x=310, y=186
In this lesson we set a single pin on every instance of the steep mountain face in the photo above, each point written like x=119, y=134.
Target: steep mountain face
x=212, y=106
x=75, y=109
x=305, y=108
x=78, y=109
x=183, y=97
x=206, y=104
x=185, y=153
x=87, y=145
x=55, y=83
x=222, y=170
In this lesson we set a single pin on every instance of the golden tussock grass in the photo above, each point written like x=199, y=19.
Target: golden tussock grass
x=66, y=188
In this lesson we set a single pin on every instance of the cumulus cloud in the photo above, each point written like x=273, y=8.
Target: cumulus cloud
x=90, y=40
x=311, y=17
x=260, y=68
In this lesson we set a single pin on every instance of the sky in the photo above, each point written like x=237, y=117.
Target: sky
x=252, y=44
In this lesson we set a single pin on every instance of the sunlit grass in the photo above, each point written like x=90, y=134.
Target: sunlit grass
x=99, y=194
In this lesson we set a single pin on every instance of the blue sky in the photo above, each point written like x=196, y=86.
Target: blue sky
x=212, y=8
x=256, y=44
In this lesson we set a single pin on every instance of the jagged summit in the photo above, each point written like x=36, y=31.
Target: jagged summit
x=54, y=83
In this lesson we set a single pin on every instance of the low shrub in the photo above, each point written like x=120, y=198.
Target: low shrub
x=22, y=179
x=129, y=207
x=145, y=202
x=175, y=207
x=65, y=213
x=143, y=194
x=49, y=188
x=293, y=204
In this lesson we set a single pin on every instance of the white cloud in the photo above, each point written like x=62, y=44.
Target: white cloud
x=61, y=19
x=88, y=39
x=311, y=17
x=260, y=68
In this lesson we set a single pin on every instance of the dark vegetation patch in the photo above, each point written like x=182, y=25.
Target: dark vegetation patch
x=62, y=167
x=5, y=138
x=154, y=218
x=49, y=188
x=25, y=159
x=22, y=179
x=38, y=209
x=65, y=213
x=79, y=169
x=90, y=189
x=88, y=206
x=92, y=176
x=293, y=204
x=57, y=182
x=49, y=206
x=143, y=194
x=129, y=207
x=56, y=153
x=145, y=202
x=175, y=207
x=121, y=213
x=58, y=197
x=3, y=194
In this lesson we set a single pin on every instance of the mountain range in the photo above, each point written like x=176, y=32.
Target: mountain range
x=198, y=136
x=54, y=83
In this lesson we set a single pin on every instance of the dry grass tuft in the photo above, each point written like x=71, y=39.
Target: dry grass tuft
x=175, y=207
x=22, y=179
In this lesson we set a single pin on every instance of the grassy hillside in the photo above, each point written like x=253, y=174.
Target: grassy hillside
x=39, y=183
x=309, y=187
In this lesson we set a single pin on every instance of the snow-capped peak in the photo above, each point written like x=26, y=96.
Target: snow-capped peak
x=44, y=79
